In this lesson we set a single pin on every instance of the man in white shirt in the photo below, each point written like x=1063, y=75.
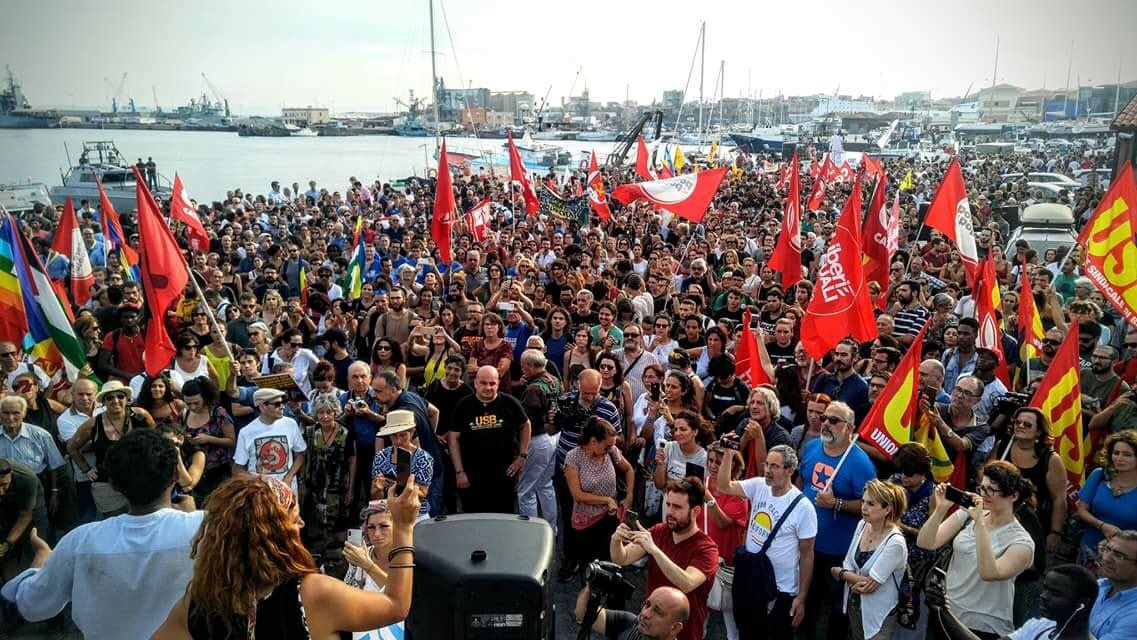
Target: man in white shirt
x=790, y=552
x=271, y=445
x=123, y=574
x=82, y=409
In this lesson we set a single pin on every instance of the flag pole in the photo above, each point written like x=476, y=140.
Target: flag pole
x=1007, y=451
x=844, y=456
x=912, y=254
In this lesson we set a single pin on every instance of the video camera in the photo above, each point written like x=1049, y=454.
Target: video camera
x=607, y=579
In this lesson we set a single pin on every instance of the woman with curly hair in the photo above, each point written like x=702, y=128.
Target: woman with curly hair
x=387, y=355
x=253, y=577
x=158, y=398
x=1107, y=502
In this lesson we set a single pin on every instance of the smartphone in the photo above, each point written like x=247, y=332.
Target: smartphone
x=695, y=471
x=937, y=580
x=656, y=391
x=730, y=443
x=355, y=536
x=631, y=518
x=402, y=469
x=506, y=306
x=958, y=497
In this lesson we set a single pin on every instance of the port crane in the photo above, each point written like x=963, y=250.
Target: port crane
x=216, y=94
x=116, y=92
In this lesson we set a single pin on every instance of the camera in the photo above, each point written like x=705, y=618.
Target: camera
x=569, y=413
x=1010, y=402
x=606, y=579
x=359, y=405
x=730, y=443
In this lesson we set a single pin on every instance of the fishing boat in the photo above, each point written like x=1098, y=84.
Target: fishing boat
x=599, y=135
x=103, y=160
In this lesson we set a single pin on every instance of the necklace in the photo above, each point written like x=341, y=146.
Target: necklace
x=1119, y=491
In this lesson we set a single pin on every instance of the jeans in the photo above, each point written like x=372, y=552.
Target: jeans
x=434, y=494
x=535, y=484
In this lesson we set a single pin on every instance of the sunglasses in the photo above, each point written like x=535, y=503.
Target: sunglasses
x=631, y=335
x=296, y=345
x=274, y=403
x=8, y=354
x=383, y=348
x=114, y=396
x=1131, y=345
x=832, y=419
x=1053, y=343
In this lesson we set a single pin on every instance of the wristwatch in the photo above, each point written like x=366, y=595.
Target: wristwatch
x=523, y=455
x=712, y=502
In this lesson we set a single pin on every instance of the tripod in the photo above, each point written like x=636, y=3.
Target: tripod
x=596, y=602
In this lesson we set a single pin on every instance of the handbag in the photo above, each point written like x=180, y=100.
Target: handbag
x=908, y=602
x=755, y=570
x=720, y=597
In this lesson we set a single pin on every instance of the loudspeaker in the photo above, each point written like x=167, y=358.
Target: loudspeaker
x=482, y=576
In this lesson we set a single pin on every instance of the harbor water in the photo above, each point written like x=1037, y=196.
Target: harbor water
x=210, y=163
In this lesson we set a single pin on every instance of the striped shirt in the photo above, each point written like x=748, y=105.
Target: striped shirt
x=570, y=434
x=908, y=322
x=32, y=446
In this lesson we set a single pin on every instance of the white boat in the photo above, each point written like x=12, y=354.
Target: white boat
x=304, y=133
x=597, y=136
x=552, y=134
x=102, y=159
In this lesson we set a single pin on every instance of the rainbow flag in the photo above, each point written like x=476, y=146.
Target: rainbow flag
x=13, y=320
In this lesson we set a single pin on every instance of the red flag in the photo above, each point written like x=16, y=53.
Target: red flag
x=687, y=195
x=444, y=208
x=950, y=213
x=517, y=173
x=596, y=196
x=1059, y=396
x=478, y=220
x=113, y=235
x=990, y=326
x=747, y=363
x=874, y=238
x=182, y=211
x=872, y=167
x=845, y=171
x=68, y=242
x=821, y=183
x=840, y=305
x=786, y=258
x=1030, y=324
x=889, y=421
x=164, y=276
x=642, y=160
x=1108, y=240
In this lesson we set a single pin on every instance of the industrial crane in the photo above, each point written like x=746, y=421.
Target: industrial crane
x=216, y=94
x=116, y=92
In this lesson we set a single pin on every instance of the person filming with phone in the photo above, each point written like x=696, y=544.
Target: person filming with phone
x=392, y=464
x=990, y=547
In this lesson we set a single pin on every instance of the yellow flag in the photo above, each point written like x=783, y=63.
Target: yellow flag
x=908, y=181
x=679, y=160
x=713, y=152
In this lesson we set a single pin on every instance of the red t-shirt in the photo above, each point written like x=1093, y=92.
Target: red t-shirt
x=728, y=539
x=127, y=352
x=696, y=551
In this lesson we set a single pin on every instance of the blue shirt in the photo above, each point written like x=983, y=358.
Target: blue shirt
x=569, y=436
x=834, y=529
x=1121, y=511
x=1115, y=617
x=427, y=441
x=422, y=467
x=854, y=391
x=362, y=429
x=954, y=367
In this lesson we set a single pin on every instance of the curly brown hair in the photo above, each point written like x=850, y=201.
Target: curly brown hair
x=247, y=544
x=1105, y=457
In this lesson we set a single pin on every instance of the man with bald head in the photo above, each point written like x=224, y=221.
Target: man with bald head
x=488, y=445
x=662, y=616
x=587, y=396
x=82, y=409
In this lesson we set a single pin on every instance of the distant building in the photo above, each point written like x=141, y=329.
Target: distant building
x=304, y=117
x=672, y=100
x=999, y=103
x=451, y=102
x=519, y=103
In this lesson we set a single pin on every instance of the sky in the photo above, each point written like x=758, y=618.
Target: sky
x=351, y=55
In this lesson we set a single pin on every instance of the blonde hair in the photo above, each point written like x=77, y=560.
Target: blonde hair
x=888, y=495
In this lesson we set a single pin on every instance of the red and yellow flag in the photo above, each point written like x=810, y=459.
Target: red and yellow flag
x=1030, y=324
x=1059, y=397
x=1110, y=250
x=987, y=305
x=304, y=287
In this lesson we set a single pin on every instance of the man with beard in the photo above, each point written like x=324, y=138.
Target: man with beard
x=961, y=428
x=773, y=310
x=773, y=500
x=1100, y=384
x=1127, y=367
x=837, y=496
x=1038, y=366
x=396, y=323
x=1089, y=334
x=679, y=554
x=844, y=384
x=1066, y=613
x=470, y=334
x=488, y=445
x=120, y=355
x=635, y=359
x=909, y=315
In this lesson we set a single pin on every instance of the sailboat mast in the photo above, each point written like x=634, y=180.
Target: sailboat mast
x=434, y=77
x=702, y=69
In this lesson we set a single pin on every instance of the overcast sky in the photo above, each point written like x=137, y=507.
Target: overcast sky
x=353, y=55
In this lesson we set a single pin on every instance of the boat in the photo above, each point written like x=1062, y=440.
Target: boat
x=597, y=136
x=304, y=132
x=411, y=128
x=102, y=159
x=554, y=134
x=263, y=128
x=764, y=139
x=21, y=197
x=17, y=113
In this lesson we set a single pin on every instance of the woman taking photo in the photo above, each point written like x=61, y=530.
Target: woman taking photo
x=989, y=548
x=158, y=399
x=329, y=475
x=1107, y=502
x=875, y=563
x=1029, y=448
x=209, y=427
x=580, y=354
x=493, y=350
x=253, y=577
x=387, y=355
x=191, y=465
x=613, y=387
x=590, y=473
x=376, y=537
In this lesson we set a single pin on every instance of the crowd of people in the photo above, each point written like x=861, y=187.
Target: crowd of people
x=580, y=374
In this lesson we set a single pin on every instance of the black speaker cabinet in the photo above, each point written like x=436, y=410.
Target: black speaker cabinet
x=482, y=576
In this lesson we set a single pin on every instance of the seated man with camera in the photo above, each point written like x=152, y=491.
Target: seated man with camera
x=662, y=616
x=679, y=554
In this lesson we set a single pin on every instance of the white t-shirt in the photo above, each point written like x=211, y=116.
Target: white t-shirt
x=765, y=511
x=677, y=461
x=268, y=449
x=981, y=605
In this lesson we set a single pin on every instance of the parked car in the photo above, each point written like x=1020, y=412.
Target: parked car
x=1044, y=226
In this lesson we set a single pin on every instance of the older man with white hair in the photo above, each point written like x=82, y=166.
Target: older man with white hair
x=535, y=484
x=33, y=446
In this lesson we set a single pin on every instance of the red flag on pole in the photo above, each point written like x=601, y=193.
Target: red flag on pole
x=889, y=422
x=687, y=195
x=840, y=305
x=821, y=183
x=68, y=242
x=642, y=160
x=990, y=326
x=444, y=208
x=1030, y=324
x=1059, y=397
x=596, y=196
x=950, y=214
x=1108, y=240
x=872, y=167
x=748, y=363
x=517, y=173
x=478, y=220
x=874, y=238
x=182, y=211
x=164, y=276
x=786, y=258
x=113, y=235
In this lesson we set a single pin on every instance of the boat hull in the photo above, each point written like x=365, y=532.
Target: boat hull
x=123, y=200
x=757, y=144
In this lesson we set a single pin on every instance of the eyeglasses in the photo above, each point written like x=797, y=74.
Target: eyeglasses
x=248, y=306
x=987, y=491
x=1105, y=550
x=1131, y=345
x=296, y=345
x=274, y=403
x=1053, y=343
x=631, y=335
x=607, y=367
x=833, y=420
x=8, y=354
x=191, y=346
x=114, y=397
x=964, y=392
